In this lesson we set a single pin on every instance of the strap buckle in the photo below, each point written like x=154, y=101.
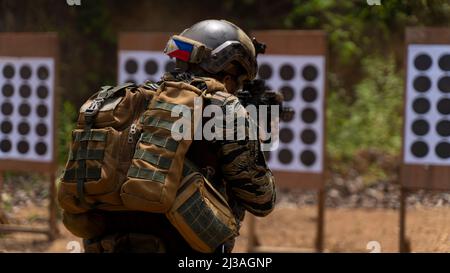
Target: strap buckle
x=95, y=106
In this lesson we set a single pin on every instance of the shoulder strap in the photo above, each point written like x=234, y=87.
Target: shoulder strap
x=108, y=91
x=105, y=93
x=89, y=115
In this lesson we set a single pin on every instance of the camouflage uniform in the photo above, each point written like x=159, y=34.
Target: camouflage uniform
x=237, y=168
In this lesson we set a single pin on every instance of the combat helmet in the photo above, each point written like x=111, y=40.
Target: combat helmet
x=216, y=45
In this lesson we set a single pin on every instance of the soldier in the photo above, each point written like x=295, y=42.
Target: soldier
x=237, y=168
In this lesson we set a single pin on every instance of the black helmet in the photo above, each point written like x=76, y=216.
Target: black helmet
x=215, y=45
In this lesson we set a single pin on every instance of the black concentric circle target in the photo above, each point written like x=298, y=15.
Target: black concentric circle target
x=265, y=71
x=443, y=150
x=443, y=106
x=310, y=72
x=5, y=145
x=25, y=91
x=42, y=92
x=8, y=90
x=6, y=127
x=25, y=72
x=287, y=72
x=9, y=71
x=287, y=92
x=309, y=94
x=420, y=127
x=131, y=66
x=308, y=136
x=285, y=156
x=423, y=62
x=309, y=115
x=443, y=128
x=422, y=83
x=23, y=147
x=444, y=62
x=421, y=105
x=286, y=135
x=43, y=73
x=41, y=148
x=444, y=84
x=151, y=67
x=308, y=158
x=420, y=149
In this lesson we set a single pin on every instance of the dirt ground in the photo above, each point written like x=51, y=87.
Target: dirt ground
x=351, y=230
x=346, y=230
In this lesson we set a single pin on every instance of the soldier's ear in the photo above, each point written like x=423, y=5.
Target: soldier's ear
x=230, y=83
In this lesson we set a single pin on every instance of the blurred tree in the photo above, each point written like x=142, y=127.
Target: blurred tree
x=357, y=30
x=366, y=68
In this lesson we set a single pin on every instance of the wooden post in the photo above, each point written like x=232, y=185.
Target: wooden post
x=252, y=237
x=320, y=220
x=52, y=221
x=419, y=171
x=3, y=219
x=403, y=241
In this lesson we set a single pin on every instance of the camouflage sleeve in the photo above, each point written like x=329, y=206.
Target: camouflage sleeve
x=245, y=170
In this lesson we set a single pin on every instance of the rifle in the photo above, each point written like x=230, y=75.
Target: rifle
x=255, y=92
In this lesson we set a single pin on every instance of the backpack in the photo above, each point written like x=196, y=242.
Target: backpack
x=156, y=169
x=129, y=160
x=102, y=146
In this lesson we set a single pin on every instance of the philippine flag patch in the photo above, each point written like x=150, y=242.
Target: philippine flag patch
x=179, y=49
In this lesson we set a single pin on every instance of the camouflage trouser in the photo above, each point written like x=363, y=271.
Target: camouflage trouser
x=125, y=242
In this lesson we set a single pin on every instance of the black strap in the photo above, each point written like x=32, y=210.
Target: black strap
x=83, y=173
x=109, y=92
x=146, y=174
x=82, y=167
x=105, y=93
x=155, y=159
x=160, y=141
x=87, y=154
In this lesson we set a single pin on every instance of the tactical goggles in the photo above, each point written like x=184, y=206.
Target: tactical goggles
x=212, y=60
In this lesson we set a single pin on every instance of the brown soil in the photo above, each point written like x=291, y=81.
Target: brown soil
x=350, y=230
x=346, y=230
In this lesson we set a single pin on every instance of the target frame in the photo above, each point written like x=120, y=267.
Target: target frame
x=415, y=176
x=144, y=43
x=34, y=45
x=297, y=42
x=300, y=43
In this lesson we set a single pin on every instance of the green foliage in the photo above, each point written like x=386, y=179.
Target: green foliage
x=366, y=52
x=374, y=120
x=66, y=121
x=364, y=103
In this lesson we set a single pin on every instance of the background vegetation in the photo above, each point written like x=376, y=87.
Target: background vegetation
x=366, y=53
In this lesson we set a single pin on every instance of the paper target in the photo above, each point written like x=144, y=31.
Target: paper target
x=26, y=108
x=301, y=81
x=138, y=66
x=427, y=121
